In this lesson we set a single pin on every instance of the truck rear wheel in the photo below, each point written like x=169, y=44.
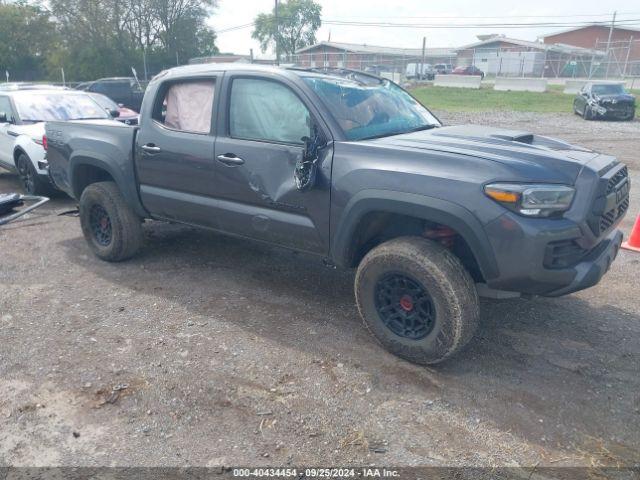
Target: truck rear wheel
x=111, y=228
x=417, y=299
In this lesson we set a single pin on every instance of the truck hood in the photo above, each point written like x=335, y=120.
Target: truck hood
x=517, y=149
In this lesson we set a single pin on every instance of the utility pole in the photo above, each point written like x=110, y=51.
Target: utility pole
x=144, y=61
x=277, y=34
x=424, y=53
x=613, y=22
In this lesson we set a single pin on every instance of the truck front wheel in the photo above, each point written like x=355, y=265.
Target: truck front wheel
x=111, y=228
x=417, y=299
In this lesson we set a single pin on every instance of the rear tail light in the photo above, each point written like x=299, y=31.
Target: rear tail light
x=44, y=142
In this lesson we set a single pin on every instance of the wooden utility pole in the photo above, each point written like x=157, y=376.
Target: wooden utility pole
x=277, y=34
x=613, y=22
x=424, y=53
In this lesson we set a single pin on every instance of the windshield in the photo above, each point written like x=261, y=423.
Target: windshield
x=369, y=108
x=50, y=106
x=615, y=89
x=104, y=101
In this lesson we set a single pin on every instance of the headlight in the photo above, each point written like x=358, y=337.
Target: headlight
x=532, y=200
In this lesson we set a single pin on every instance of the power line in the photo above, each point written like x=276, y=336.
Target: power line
x=605, y=15
x=630, y=22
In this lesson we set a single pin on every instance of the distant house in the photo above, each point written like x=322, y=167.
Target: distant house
x=623, y=48
x=361, y=56
x=500, y=55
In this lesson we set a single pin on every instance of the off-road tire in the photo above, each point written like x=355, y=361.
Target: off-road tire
x=446, y=281
x=32, y=182
x=125, y=226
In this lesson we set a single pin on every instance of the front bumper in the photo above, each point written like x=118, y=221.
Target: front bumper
x=594, y=266
x=523, y=251
x=613, y=110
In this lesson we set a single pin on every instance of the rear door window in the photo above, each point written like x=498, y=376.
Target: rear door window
x=186, y=106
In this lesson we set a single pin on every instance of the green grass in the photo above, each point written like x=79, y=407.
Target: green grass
x=470, y=100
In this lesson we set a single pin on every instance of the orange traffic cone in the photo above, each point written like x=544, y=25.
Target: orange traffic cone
x=634, y=239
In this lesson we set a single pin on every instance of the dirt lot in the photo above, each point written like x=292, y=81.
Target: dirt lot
x=207, y=350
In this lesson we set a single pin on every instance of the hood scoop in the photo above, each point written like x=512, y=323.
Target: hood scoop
x=515, y=137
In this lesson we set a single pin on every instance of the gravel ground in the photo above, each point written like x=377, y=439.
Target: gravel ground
x=206, y=350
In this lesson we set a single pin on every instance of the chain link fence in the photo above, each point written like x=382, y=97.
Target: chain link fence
x=617, y=60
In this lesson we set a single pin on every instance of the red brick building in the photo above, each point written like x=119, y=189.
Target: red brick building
x=623, y=49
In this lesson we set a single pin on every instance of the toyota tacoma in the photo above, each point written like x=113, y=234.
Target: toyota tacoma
x=351, y=168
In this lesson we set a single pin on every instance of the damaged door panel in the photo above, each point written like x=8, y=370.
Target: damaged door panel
x=268, y=134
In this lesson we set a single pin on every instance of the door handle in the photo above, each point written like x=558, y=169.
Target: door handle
x=230, y=159
x=151, y=148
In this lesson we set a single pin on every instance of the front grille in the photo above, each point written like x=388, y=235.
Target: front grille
x=608, y=209
x=616, y=179
x=563, y=254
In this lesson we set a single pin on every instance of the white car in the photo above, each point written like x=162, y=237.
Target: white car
x=23, y=114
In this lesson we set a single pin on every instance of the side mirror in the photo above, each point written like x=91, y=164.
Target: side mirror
x=307, y=166
x=114, y=113
x=3, y=117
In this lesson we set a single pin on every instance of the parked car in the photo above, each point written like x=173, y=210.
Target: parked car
x=420, y=71
x=29, y=86
x=352, y=169
x=378, y=69
x=119, y=112
x=22, y=117
x=122, y=90
x=604, y=100
x=443, y=68
x=468, y=70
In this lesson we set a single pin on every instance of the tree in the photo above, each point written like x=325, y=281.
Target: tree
x=298, y=22
x=108, y=37
x=28, y=35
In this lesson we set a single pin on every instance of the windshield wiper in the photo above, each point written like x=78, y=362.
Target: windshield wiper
x=401, y=132
x=421, y=128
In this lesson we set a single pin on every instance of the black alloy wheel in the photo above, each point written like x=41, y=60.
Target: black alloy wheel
x=26, y=174
x=100, y=225
x=404, y=306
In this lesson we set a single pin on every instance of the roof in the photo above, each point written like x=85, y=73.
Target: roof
x=41, y=91
x=544, y=47
x=225, y=58
x=374, y=49
x=595, y=24
x=501, y=39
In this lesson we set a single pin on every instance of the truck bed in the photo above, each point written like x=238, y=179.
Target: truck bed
x=108, y=143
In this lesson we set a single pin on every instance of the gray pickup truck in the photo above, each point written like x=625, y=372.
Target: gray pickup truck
x=351, y=168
